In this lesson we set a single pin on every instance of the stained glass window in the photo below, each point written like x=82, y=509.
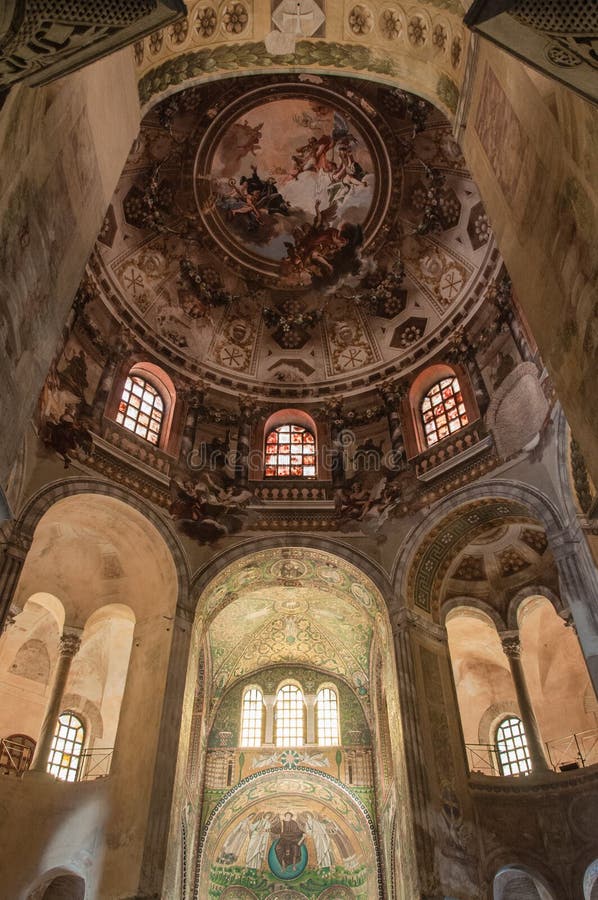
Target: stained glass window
x=511, y=747
x=443, y=411
x=66, y=749
x=290, y=453
x=327, y=713
x=288, y=717
x=251, y=719
x=141, y=409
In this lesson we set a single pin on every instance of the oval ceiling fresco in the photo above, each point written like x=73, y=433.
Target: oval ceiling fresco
x=292, y=184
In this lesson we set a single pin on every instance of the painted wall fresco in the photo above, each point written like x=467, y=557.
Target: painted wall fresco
x=297, y=832
x=216, y=247
x=66, y=404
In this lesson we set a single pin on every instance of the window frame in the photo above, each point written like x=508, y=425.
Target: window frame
x=147, y=386
x=54, y=749
x=300, y=718
x=409, y=408
x=438, y=390
x=304, y=445
x=174, y=410
x=262, y=723
x=511, y=747
x=319, y=723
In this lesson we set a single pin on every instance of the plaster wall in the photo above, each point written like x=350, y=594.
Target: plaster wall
x=62, y=148
x=530, y=145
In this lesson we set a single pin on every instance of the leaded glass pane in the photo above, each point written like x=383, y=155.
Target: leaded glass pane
x=290, y=452
x=442, y=411
x=141, y=409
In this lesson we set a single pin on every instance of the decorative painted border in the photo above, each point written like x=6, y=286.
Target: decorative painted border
x=254, y=57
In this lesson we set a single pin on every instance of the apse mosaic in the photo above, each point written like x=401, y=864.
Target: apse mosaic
x=298, y=605
x=289, y=835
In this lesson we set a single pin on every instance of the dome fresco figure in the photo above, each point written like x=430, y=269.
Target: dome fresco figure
x=299, y=554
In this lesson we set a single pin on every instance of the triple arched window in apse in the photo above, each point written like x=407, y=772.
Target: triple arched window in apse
x=289, y=717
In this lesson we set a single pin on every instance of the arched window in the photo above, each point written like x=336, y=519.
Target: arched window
x=290, y=452
x=442, y=410
x=511, y=747
x=141, y=408
x=327, y=717
x=289, y=716
x=67, y=747
x=252, y=718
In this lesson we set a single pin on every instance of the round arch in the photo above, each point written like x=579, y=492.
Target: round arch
x=304, y=793
x=520, y=882
x=170, y=77
x=590, y=881
x=510, y=498
x=41, y=502
x=451, y=608
x=524, y=594
x=202, y=577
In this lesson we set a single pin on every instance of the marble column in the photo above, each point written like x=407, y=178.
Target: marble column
x=70, y=642
x=463, y=352
x=106, y=379
x=164, y=786
x=512, y=649
x=508, y=318
x=269, y=701
x=310, y=706
x=578, y=588
x=417, y=764
x=194, y=403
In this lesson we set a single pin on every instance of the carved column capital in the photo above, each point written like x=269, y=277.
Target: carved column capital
x=511, y=644
x=11, y=615
x=568, y=620
x=18, y=545
x=70, y=643
x=407, y=619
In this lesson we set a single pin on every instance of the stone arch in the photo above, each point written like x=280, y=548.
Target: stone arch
x=590, y=881
x=451, y=607
x=524, y=594
x=345, y=551
x=419, y=561
x=59, y=884
x=518, y=882
x=175, y=74
x=247, y=567
x=50, y=494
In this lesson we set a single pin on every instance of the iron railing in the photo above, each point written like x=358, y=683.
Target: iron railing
x=95, y=763
x=15, y=757
x=575, y=751
x=482, y=759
